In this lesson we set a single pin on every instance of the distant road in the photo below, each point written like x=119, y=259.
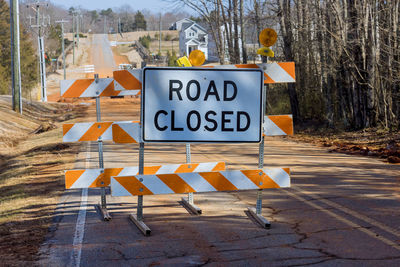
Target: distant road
x=102, y=55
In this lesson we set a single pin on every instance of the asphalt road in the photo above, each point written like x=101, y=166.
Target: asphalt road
x=340, y=211
x=102, y=55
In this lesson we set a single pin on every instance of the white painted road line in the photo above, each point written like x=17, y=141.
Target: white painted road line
x=353, y=213
x=344, y=220
x=80, y=222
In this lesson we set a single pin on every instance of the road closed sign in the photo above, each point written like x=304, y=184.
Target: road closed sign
x=202, y=105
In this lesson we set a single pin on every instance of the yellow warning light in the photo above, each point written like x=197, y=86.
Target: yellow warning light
x=197, y=58
x=268, y=37
x=266, y=52
x=183, y=62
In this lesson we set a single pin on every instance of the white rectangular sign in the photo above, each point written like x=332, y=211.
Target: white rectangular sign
x=202, y=105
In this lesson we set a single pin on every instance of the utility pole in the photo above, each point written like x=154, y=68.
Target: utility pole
x=105, y=23
x=15, y=57
x=82, y=24
x=62, y=44
x=77, y=30
x=42, y=63
x=73, y=38
x=159, y=43
x=119, y=25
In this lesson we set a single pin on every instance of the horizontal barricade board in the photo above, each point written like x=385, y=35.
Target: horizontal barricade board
x=88, y=178
x=200, y=182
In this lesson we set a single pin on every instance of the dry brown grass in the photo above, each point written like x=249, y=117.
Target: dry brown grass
x=31, y=175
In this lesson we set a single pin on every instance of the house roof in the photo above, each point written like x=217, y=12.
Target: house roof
x=195, y=27
x=186, y=25
x=175, y=26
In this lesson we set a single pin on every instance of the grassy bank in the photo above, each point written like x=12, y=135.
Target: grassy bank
x=32, y=162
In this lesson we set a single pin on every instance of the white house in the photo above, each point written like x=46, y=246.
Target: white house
x=191, y=37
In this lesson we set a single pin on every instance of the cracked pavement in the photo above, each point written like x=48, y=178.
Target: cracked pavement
x=341, y=210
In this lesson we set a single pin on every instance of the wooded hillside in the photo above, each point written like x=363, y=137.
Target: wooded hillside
x=347, y=54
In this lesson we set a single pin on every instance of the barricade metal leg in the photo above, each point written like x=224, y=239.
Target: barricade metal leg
x=256, y=213
x=103, y=201
x=189, y=202
x=137, y=218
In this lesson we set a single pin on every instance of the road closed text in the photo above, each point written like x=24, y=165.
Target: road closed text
x=192, y=105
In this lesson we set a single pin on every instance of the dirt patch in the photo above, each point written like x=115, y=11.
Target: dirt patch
x=45, y=127
x=372, y=142
x=118, y=58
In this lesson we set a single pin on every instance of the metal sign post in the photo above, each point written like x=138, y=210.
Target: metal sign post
x=257, y=213
x=189, y=202
x=137, y=218
x=103, y=201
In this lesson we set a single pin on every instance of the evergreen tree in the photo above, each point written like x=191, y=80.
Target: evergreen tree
x=29, y=63
x=140, y=22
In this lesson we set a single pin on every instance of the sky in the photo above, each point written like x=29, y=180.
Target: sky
x=156, y=6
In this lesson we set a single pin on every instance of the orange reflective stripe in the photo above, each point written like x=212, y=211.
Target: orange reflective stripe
x=218, y=181
x=289, y=68
x=284, y=122
x=151, y=169
x=287, y=170
x=95, y=131
x=109, y=91
x=106, y=177
x=187, y=167
x=176, y=183
x=72, y=176
x=133, y=186
x=247, y=66
x=127, y=80
x=98, y=180
x=78, y=87
x=219, y=167
x=120, y=136
x=256, y=178
x=67, y=127
x=268, y=79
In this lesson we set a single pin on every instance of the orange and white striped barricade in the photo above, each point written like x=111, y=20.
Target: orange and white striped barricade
x=125, y=132
x=200, y=182
x=276, y=72
x=128, y=79
x=100, y=87
x=97, y=87
x=90, y=131
x=93, y=178
x=275, y=125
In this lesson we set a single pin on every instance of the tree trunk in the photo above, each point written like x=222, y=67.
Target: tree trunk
x=284, y=21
